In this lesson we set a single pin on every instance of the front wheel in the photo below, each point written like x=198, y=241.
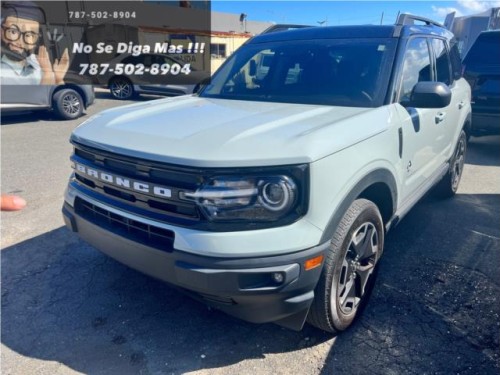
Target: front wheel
x=349, y=271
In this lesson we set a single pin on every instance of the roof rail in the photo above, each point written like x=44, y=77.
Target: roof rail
x=409, y=19
x=283, y=27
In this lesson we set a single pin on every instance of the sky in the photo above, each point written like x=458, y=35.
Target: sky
x=332, y=12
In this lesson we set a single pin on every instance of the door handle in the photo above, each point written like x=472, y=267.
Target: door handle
x=461, y=104
x=440, y=117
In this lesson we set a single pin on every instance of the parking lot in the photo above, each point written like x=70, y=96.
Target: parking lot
x=68, y=309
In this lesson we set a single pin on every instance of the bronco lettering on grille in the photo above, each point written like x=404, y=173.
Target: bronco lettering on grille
x=124, y=182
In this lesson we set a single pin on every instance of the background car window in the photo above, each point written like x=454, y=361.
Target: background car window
x=161, y=59
x=442, y=61
x=416, y=66
x=133, y=60
x=485, y=49
x=490, y=86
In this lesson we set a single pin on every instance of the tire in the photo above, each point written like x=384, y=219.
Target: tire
x=349, y=271
x=448, y=186
x=68, y=104
x=121, y=88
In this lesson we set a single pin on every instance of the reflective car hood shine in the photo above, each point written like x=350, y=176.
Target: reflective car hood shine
x=200, y=132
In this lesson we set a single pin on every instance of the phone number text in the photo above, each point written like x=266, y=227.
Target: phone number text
x=135, y=69
x=101, y=15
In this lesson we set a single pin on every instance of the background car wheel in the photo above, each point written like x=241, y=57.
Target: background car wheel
x=68, y=104
x=121, y=88
x=349, y=271
x=448, y=186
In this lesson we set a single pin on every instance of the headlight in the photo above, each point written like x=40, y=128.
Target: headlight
x=277, y=194
x=253, y=199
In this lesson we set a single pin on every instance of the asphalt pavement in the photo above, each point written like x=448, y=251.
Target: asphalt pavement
x=68, y=309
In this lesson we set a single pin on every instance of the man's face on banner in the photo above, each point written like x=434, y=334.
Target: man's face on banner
x=20, y=35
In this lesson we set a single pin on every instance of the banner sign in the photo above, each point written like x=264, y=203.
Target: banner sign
x=90, y=42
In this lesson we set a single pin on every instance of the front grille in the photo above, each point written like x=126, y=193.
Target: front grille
x=149, y=235
x=176, y=179
x=139, y=169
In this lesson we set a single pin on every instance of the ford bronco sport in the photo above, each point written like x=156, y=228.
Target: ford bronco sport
x=269, y=193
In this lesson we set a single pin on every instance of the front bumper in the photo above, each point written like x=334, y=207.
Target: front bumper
x=242, y=287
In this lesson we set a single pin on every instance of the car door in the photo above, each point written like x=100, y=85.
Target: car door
x=26, y=96
x=421, y=128
x=450, y=116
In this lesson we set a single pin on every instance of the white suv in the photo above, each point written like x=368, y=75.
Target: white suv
x=269, y=193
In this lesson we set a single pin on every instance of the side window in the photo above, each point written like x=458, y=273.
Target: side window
x=149, y=60
x=132, y=60
x=442, y=61
x=416, y=66
x=142, y=59
x=456, y=61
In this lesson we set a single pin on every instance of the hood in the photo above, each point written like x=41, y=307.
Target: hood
x=201, y=132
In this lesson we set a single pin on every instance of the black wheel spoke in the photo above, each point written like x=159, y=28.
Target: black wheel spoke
x=363, y=275
x=363, y=241
x=348, y=296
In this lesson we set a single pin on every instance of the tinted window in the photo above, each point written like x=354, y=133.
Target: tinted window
x=416, y=66
x=162, y=59
x=485, y=49
x=133, y=60
x=146, y=60
x=456, y=62
x=442, y=61
x=489, y=87
x=344, y=72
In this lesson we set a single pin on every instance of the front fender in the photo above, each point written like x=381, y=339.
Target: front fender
x=383, y=176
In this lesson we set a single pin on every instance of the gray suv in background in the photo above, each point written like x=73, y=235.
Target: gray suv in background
x=68, y=101
x=482, y=71
x=124, y=87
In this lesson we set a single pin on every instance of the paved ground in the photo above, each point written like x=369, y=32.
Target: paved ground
x=68, y=309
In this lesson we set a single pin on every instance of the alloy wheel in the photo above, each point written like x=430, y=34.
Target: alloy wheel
x=71, y=104
x=357, y=267
x=121, y=89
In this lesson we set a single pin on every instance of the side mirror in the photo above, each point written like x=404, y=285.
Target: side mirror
x=252, y=71
x=430, y=95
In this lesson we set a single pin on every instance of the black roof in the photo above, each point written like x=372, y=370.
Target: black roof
x=345, y=32
x=327, y=32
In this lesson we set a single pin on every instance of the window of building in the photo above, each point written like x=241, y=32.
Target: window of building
x=218, y=50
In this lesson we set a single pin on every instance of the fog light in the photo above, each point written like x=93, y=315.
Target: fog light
x=278, y=277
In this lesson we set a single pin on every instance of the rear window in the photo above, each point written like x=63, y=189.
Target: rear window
x=485, y=49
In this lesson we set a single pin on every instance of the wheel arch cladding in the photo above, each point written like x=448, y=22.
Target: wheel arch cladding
x=379, y=186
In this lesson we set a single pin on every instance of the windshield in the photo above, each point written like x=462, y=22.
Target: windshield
x=343, y=72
